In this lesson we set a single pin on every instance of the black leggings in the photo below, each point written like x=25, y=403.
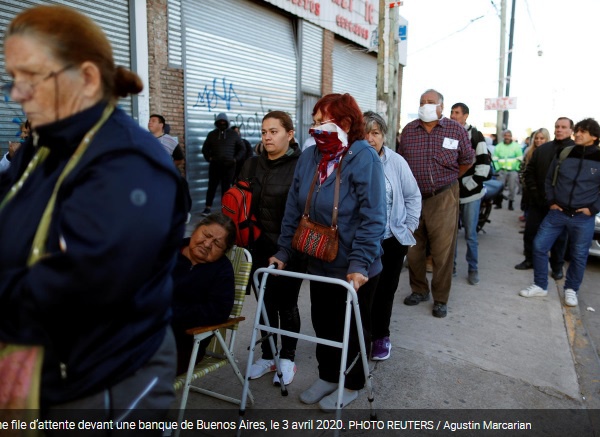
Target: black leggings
x=383, y=301
x=219, y=173
x=281, y=303
x=328, y=310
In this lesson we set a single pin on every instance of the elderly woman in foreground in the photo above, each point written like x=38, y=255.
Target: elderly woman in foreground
x=99, y=213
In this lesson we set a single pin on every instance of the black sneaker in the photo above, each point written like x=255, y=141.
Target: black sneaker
x=415, y=299
x=439, y=310
x=206, y=211
x=557, y=275
x=525, y=265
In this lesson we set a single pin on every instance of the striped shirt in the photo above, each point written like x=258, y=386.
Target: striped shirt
x=434, y=157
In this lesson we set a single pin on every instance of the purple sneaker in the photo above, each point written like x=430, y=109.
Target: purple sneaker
x=381, y=349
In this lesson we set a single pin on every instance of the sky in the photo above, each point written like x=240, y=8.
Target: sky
x=454, y=47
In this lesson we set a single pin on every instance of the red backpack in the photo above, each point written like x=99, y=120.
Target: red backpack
x=237, y=204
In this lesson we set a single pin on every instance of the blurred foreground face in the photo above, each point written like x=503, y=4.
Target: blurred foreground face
x=46, y=89
x=207, y=244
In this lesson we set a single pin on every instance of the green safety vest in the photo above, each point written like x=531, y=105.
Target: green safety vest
x=507, y=157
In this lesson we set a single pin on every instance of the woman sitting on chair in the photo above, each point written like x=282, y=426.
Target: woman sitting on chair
x=203, y=283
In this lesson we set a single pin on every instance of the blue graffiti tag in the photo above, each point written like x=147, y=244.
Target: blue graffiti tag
x=210, y=97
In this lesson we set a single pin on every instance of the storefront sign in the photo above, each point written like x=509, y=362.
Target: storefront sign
x=352, y=19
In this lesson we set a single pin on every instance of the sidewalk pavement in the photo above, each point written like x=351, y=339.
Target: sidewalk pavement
x=494, y=351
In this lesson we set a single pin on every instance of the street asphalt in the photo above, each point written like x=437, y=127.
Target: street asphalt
x=496, y=358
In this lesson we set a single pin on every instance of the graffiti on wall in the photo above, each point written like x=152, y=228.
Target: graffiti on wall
x=16, y=109
x=222, y=92
x=251, y=126
x=211, y=96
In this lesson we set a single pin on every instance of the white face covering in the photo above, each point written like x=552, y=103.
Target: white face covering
x=428, y=112
x=322, y=134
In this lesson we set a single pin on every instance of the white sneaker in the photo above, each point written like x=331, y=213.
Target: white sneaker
x=261, y=367
x=533, y=291
x=288, y=370
x=570, y=297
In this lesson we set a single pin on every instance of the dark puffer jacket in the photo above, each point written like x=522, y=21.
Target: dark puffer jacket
x=99, y=302
x=272, y=181
x=223, y=144
x=578, y=182
x=537, y=169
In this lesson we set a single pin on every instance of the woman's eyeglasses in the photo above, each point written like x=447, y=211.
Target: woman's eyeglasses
x=320, y=123
x=26, y=89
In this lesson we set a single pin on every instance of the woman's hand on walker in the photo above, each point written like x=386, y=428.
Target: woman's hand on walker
x=280, y=264
x=358, y=279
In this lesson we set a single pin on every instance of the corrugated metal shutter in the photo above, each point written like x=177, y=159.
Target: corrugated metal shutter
x=308, y=103
x=239, y=58
x=111, y=15
x=355, y=72
x=312, y=58
x=174, y=33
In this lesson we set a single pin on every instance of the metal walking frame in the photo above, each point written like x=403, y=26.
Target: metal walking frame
x=351, y=302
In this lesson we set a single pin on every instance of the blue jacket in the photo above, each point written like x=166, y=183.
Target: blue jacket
x=99, y=302
x=361, y=211
x=578, y=182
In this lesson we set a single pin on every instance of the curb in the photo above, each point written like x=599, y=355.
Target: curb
x=585, y=359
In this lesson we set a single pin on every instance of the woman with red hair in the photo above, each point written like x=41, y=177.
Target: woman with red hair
x=338, y=130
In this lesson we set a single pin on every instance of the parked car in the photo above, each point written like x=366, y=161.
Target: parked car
x=595, y=246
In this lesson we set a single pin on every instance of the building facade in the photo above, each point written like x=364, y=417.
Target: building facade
x=241, y=57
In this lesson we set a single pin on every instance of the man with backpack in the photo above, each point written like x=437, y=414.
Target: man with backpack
x=535, y=180
x=472, y=189
x=573, y=195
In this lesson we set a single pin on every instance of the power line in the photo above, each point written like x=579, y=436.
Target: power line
x=447, y=36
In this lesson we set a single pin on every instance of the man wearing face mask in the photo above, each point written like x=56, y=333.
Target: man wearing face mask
x=222, y=148
x=438, y=152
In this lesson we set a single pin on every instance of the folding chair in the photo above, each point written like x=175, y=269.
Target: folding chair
x=351, y=304
x=220, y=352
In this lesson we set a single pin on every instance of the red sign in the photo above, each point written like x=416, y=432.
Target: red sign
x=310, y=5
x=500, y=103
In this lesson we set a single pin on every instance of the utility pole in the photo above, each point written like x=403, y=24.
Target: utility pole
x=387, y=69
x=509, y=63
x=501, y=66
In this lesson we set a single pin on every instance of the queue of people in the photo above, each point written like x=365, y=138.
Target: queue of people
x=101, y=211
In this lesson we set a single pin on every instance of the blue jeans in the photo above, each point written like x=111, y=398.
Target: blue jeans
x=469, y=213
x=580, y=230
